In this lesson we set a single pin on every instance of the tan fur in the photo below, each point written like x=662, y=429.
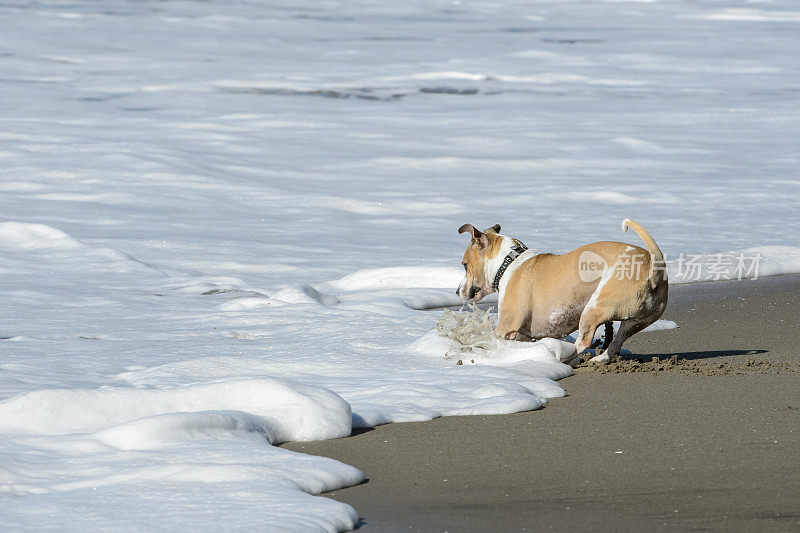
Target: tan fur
x=546, y=297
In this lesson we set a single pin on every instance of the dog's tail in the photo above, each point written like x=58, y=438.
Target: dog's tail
x=658, y=267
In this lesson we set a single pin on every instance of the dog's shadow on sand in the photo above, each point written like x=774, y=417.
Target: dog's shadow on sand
x=693, y=356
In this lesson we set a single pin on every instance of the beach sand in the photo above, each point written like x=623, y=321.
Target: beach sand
x=707, y=440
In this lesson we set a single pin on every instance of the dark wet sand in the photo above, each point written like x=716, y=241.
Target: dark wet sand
x=716, y=449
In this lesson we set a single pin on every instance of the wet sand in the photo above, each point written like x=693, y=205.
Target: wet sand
x=698, y=430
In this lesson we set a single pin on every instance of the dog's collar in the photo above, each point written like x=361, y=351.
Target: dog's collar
x=515, y=252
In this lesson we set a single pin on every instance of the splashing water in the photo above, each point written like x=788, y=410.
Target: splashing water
x=473, y=331
x=471, y=336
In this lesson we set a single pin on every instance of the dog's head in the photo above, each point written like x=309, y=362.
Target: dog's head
x=483, y=249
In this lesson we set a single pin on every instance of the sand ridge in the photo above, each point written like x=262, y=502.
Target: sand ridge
x=684, y=365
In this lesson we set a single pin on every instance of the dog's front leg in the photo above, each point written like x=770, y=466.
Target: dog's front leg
x=508, y=325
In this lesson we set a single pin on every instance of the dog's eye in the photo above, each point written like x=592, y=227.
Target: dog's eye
x=465, y=265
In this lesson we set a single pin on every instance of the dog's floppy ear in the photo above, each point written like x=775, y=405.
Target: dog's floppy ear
x=472, y=229
x=493, y=229
x=479, y=238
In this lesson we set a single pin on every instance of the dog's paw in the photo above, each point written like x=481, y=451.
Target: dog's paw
x=601, y=359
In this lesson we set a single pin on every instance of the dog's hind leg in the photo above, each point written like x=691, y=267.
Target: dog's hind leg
x=627, y=328
x=591, y=319
x=608, y=337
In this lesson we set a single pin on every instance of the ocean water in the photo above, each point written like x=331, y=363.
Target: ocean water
x=221, y=223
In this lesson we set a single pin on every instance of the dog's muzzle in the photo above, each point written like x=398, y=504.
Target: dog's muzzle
x=467, y=294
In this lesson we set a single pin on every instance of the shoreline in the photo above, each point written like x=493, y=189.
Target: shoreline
x=704, y=436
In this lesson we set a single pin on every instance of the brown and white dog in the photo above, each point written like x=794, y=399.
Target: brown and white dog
x=547, y=295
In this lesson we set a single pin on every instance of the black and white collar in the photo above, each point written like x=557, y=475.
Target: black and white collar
x=515, y=252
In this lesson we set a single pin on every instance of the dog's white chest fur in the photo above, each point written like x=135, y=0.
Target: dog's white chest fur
x=501, y=288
